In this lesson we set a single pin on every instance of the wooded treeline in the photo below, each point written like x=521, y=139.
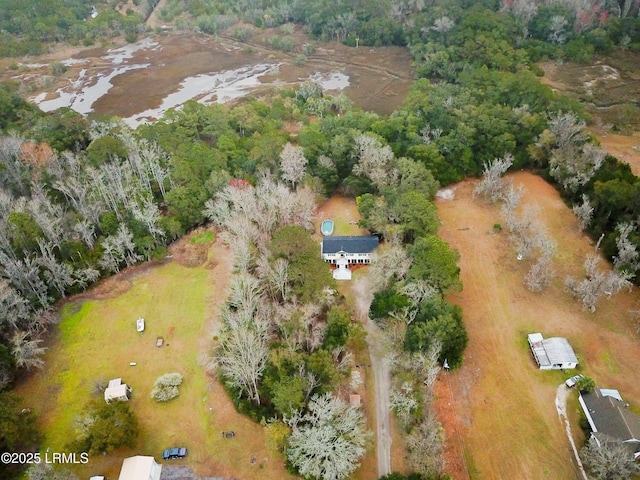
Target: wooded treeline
x=566, y=29
x=30, y=27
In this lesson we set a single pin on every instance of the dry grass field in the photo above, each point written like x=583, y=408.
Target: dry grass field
x=499, y=408
x=97, y=339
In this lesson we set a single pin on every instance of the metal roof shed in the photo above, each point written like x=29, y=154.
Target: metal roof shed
x=552, y=353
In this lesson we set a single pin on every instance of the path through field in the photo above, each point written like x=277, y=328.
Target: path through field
x=562, y=392
x=380, y=367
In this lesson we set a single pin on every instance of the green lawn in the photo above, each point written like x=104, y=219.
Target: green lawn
x=97, y=340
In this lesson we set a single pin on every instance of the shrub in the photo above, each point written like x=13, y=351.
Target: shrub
x=287, y=29
x=104, y=427
x=586, y=384
x=58, y=68
x=165, y=387
x=242, y=33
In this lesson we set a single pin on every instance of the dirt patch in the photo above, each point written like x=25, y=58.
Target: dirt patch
x=189, y=251
x=503, y=406
x=454, y=464
x=117, y=284
x=625, y=148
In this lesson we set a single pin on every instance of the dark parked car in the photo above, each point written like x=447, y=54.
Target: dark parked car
x=172, y=453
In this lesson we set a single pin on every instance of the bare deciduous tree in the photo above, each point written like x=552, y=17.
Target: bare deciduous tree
x=558, y=35
x=540, y=274
x=573, y=159
x=275, y=275
x=492, y=186
x=87, y=232
x=24, y=275
x=14, y=174
x=245, y=292
x=58, y=274
x=27, y=351
x=627, y=258
x=293, y=164
x=117, y=249
x=403, y=402
x=429, y=134
x=392, y=262
x=526, y=231
x=424, y=447
x=260, y=210
x=374, y=161
x=243, y=351
x=523, y=11
x=510, y=201
x=14, y=309
x=47, y=215
x=147, y=212
x=443, y=24
x=596, y=283
x=418, y=291
x=584, y=213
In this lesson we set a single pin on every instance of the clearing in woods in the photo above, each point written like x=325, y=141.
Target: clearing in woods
x=498, y=408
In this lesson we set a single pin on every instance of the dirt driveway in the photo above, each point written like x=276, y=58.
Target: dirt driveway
x=505, y=424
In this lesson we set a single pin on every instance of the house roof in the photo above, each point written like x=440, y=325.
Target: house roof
x=551, y=351
x=115, y=382
x=608, y=416
x=140, y=467
x=350, y=244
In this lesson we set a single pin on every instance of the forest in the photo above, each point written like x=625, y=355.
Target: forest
x=83, y=198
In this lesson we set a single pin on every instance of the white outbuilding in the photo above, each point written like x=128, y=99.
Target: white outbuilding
x=140, y=467
x=116, y=390
x=552, y=353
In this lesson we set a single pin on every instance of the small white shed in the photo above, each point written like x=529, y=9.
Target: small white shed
x=116, y=390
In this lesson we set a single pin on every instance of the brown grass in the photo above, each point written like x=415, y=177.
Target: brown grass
x=504, y=406
x=625, y=148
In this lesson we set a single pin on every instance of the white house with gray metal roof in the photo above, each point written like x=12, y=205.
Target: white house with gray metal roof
x=552, y=353
x=348, y=250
